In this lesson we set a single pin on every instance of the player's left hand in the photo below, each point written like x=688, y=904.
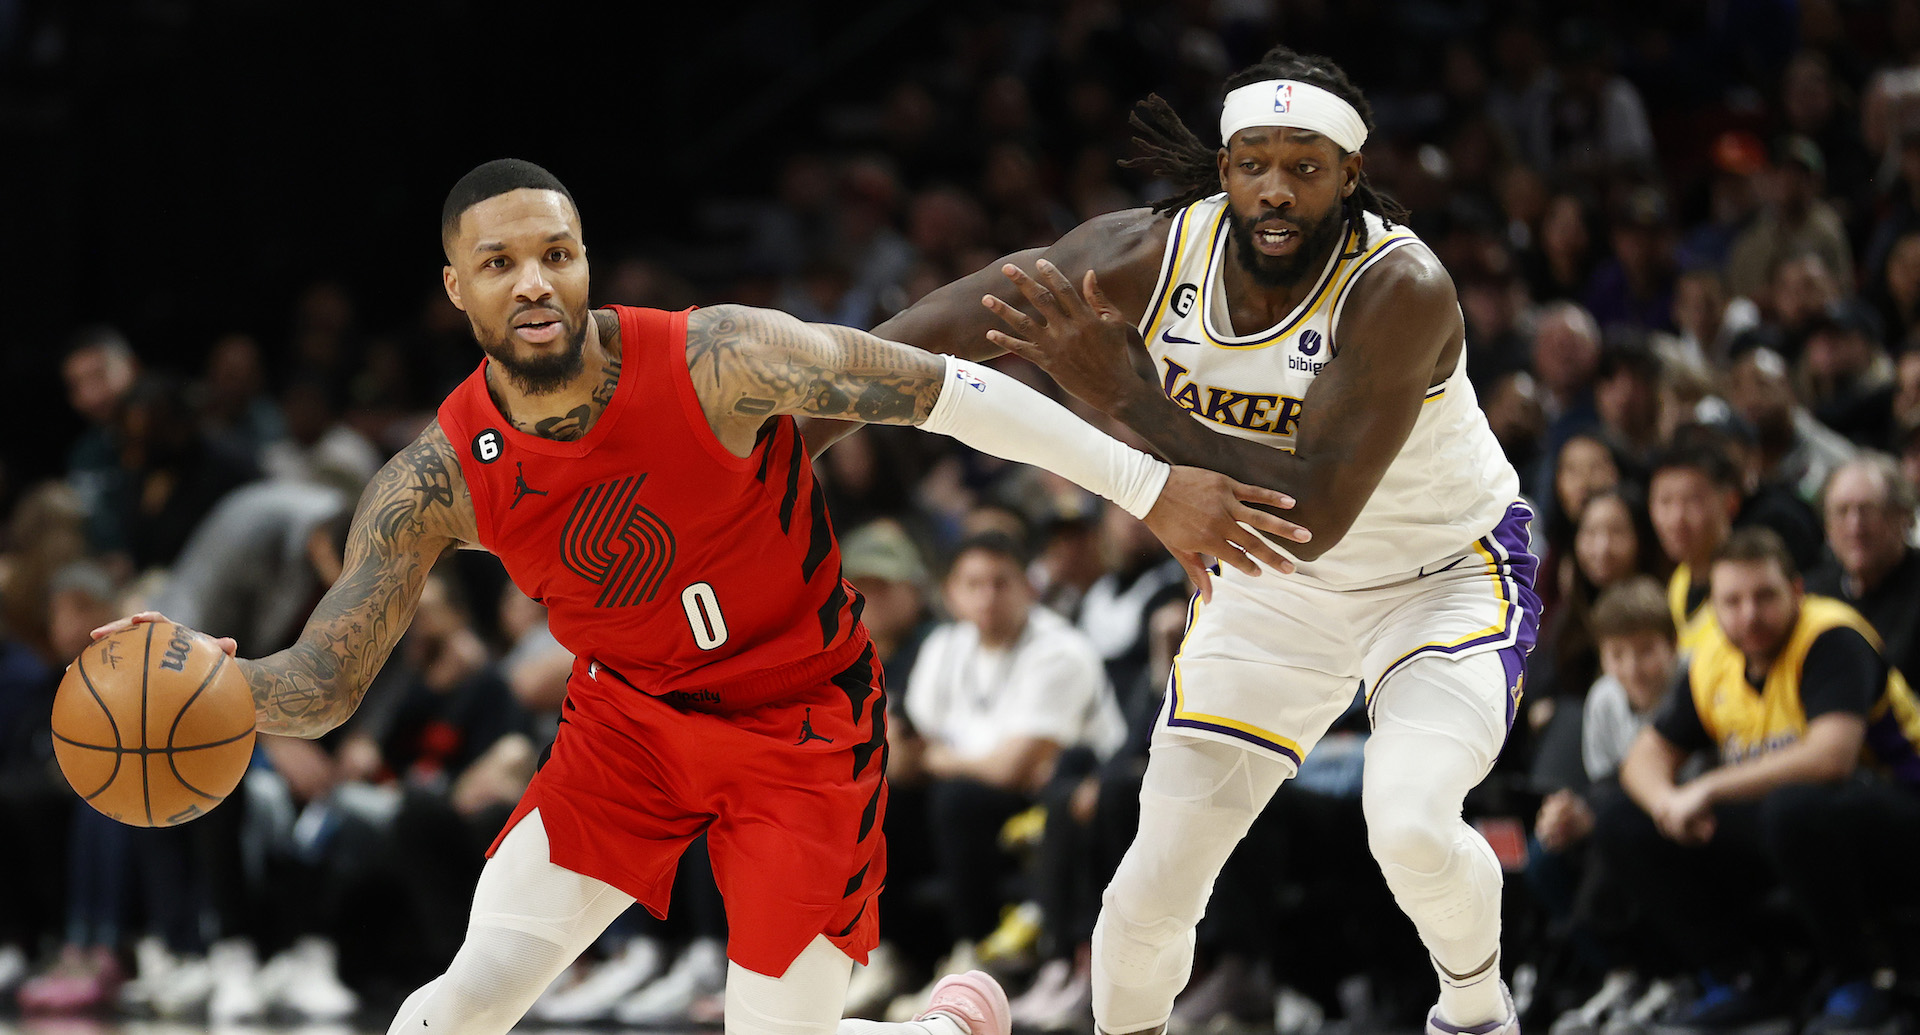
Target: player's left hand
x=1079, y=337
x=1203, y=512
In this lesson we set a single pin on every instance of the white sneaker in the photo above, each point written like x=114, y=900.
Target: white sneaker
x=183, y=989
x=13, y=967
x=594, y=997
x=1615, y=994
x=305, y=979
x=151, y=961
x=700, y=971
x=1039, y=999
x=875, y=983
x=1296, y=1013
x=237, y=995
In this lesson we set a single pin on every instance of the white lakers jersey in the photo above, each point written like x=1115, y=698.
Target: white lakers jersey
x=1451, y=482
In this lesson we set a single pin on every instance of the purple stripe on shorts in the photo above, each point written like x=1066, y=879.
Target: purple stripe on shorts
x=1514, y=661
x=1238, y=734
x=1521, y=567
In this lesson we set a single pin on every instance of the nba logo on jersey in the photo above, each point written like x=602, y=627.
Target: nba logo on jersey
x=1309, y=342
x=1283, y=97
x=970, y=380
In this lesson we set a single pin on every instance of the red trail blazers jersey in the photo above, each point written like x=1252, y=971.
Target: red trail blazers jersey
x=663, y=559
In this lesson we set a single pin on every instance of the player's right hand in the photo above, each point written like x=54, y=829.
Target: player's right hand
x=225, y=643
x=1204, y=512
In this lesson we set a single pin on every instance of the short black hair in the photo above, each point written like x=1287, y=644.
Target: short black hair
x=1703, y=457
x=997, y=544
x=490, y=180
x=1635, y=358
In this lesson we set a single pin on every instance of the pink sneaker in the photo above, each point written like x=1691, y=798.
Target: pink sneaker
x=974, y=999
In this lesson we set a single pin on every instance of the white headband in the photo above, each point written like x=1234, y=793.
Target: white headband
x=1297, y=105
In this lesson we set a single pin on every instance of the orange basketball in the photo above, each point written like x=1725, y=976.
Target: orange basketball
x=153, y=726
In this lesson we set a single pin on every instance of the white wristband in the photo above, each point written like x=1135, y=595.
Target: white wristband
x=996, y=414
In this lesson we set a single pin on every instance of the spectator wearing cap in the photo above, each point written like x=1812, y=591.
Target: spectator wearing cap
x=1817, y=787
x=1800, y=288
x=1794, y=219
x=1733, y=197
x=1847, y=376
x=1634, y=288
x=1795, y=449
x=1869, y=506
x=884, y=565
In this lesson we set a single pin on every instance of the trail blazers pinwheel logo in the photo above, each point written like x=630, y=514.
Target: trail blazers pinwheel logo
x=615, y=543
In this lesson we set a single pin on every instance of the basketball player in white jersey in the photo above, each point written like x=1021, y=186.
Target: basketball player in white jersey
x=1275, y=323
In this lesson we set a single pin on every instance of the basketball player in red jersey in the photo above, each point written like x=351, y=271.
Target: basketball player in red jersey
x=642, y=474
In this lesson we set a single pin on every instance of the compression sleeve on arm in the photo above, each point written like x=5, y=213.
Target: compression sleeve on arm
x=996, y=414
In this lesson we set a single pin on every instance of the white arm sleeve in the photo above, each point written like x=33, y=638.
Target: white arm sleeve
x=996, y=414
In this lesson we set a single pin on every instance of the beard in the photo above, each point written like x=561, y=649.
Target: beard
x=1284, y=271
x=539, y=374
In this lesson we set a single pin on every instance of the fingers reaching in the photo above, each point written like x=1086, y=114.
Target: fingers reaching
x=1262, y=495
x=1044, y=300
x=123, y=624
x=1272, y=524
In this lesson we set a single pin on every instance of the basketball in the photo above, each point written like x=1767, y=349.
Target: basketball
x=153, y=726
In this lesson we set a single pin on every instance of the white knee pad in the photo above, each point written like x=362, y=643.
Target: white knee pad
x=1437, y=728
x=1196, y=803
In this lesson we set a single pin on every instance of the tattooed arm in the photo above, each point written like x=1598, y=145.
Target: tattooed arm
x=414, y=510
x=749, y=365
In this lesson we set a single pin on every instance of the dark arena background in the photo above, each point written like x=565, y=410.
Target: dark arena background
x=1685, y=237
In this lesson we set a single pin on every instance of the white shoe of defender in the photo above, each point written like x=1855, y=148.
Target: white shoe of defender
x=1508, y=1026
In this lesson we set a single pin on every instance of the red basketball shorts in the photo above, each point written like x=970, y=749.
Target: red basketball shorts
x=791, y=795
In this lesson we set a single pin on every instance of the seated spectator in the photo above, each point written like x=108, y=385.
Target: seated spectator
x=1635, y=632
x=995, y=697
x=99, y=369
x=1692, y=498
x=1626, y=394
x=171, y=474
x=1796, y=450
x=1614, y=542
x=1795, y=219
x=1634, y=289
x=1846, y=375
x=1587, y=466
x=1708, y=320
x=1767, y=502
x=1869, y=509
x=234, y=404
x=1817, y=786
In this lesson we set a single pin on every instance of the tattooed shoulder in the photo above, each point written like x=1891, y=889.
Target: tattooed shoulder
x=421, y=490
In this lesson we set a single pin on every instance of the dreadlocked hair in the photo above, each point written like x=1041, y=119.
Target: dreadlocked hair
x=1171, y=151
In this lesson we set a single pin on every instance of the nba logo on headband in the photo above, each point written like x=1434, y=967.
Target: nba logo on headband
x=1282, y=98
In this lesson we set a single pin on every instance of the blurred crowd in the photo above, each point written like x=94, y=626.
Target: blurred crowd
x=1686, y=239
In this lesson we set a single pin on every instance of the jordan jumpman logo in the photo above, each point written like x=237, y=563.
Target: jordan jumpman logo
x=520, y=487
x=806, y=731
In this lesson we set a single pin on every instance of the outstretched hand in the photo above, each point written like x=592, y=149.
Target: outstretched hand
x=1202, y=512
x=1079, y=337
x=225, y=643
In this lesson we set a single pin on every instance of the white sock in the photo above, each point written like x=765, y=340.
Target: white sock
x=937, y=1024
x=1471, y=999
